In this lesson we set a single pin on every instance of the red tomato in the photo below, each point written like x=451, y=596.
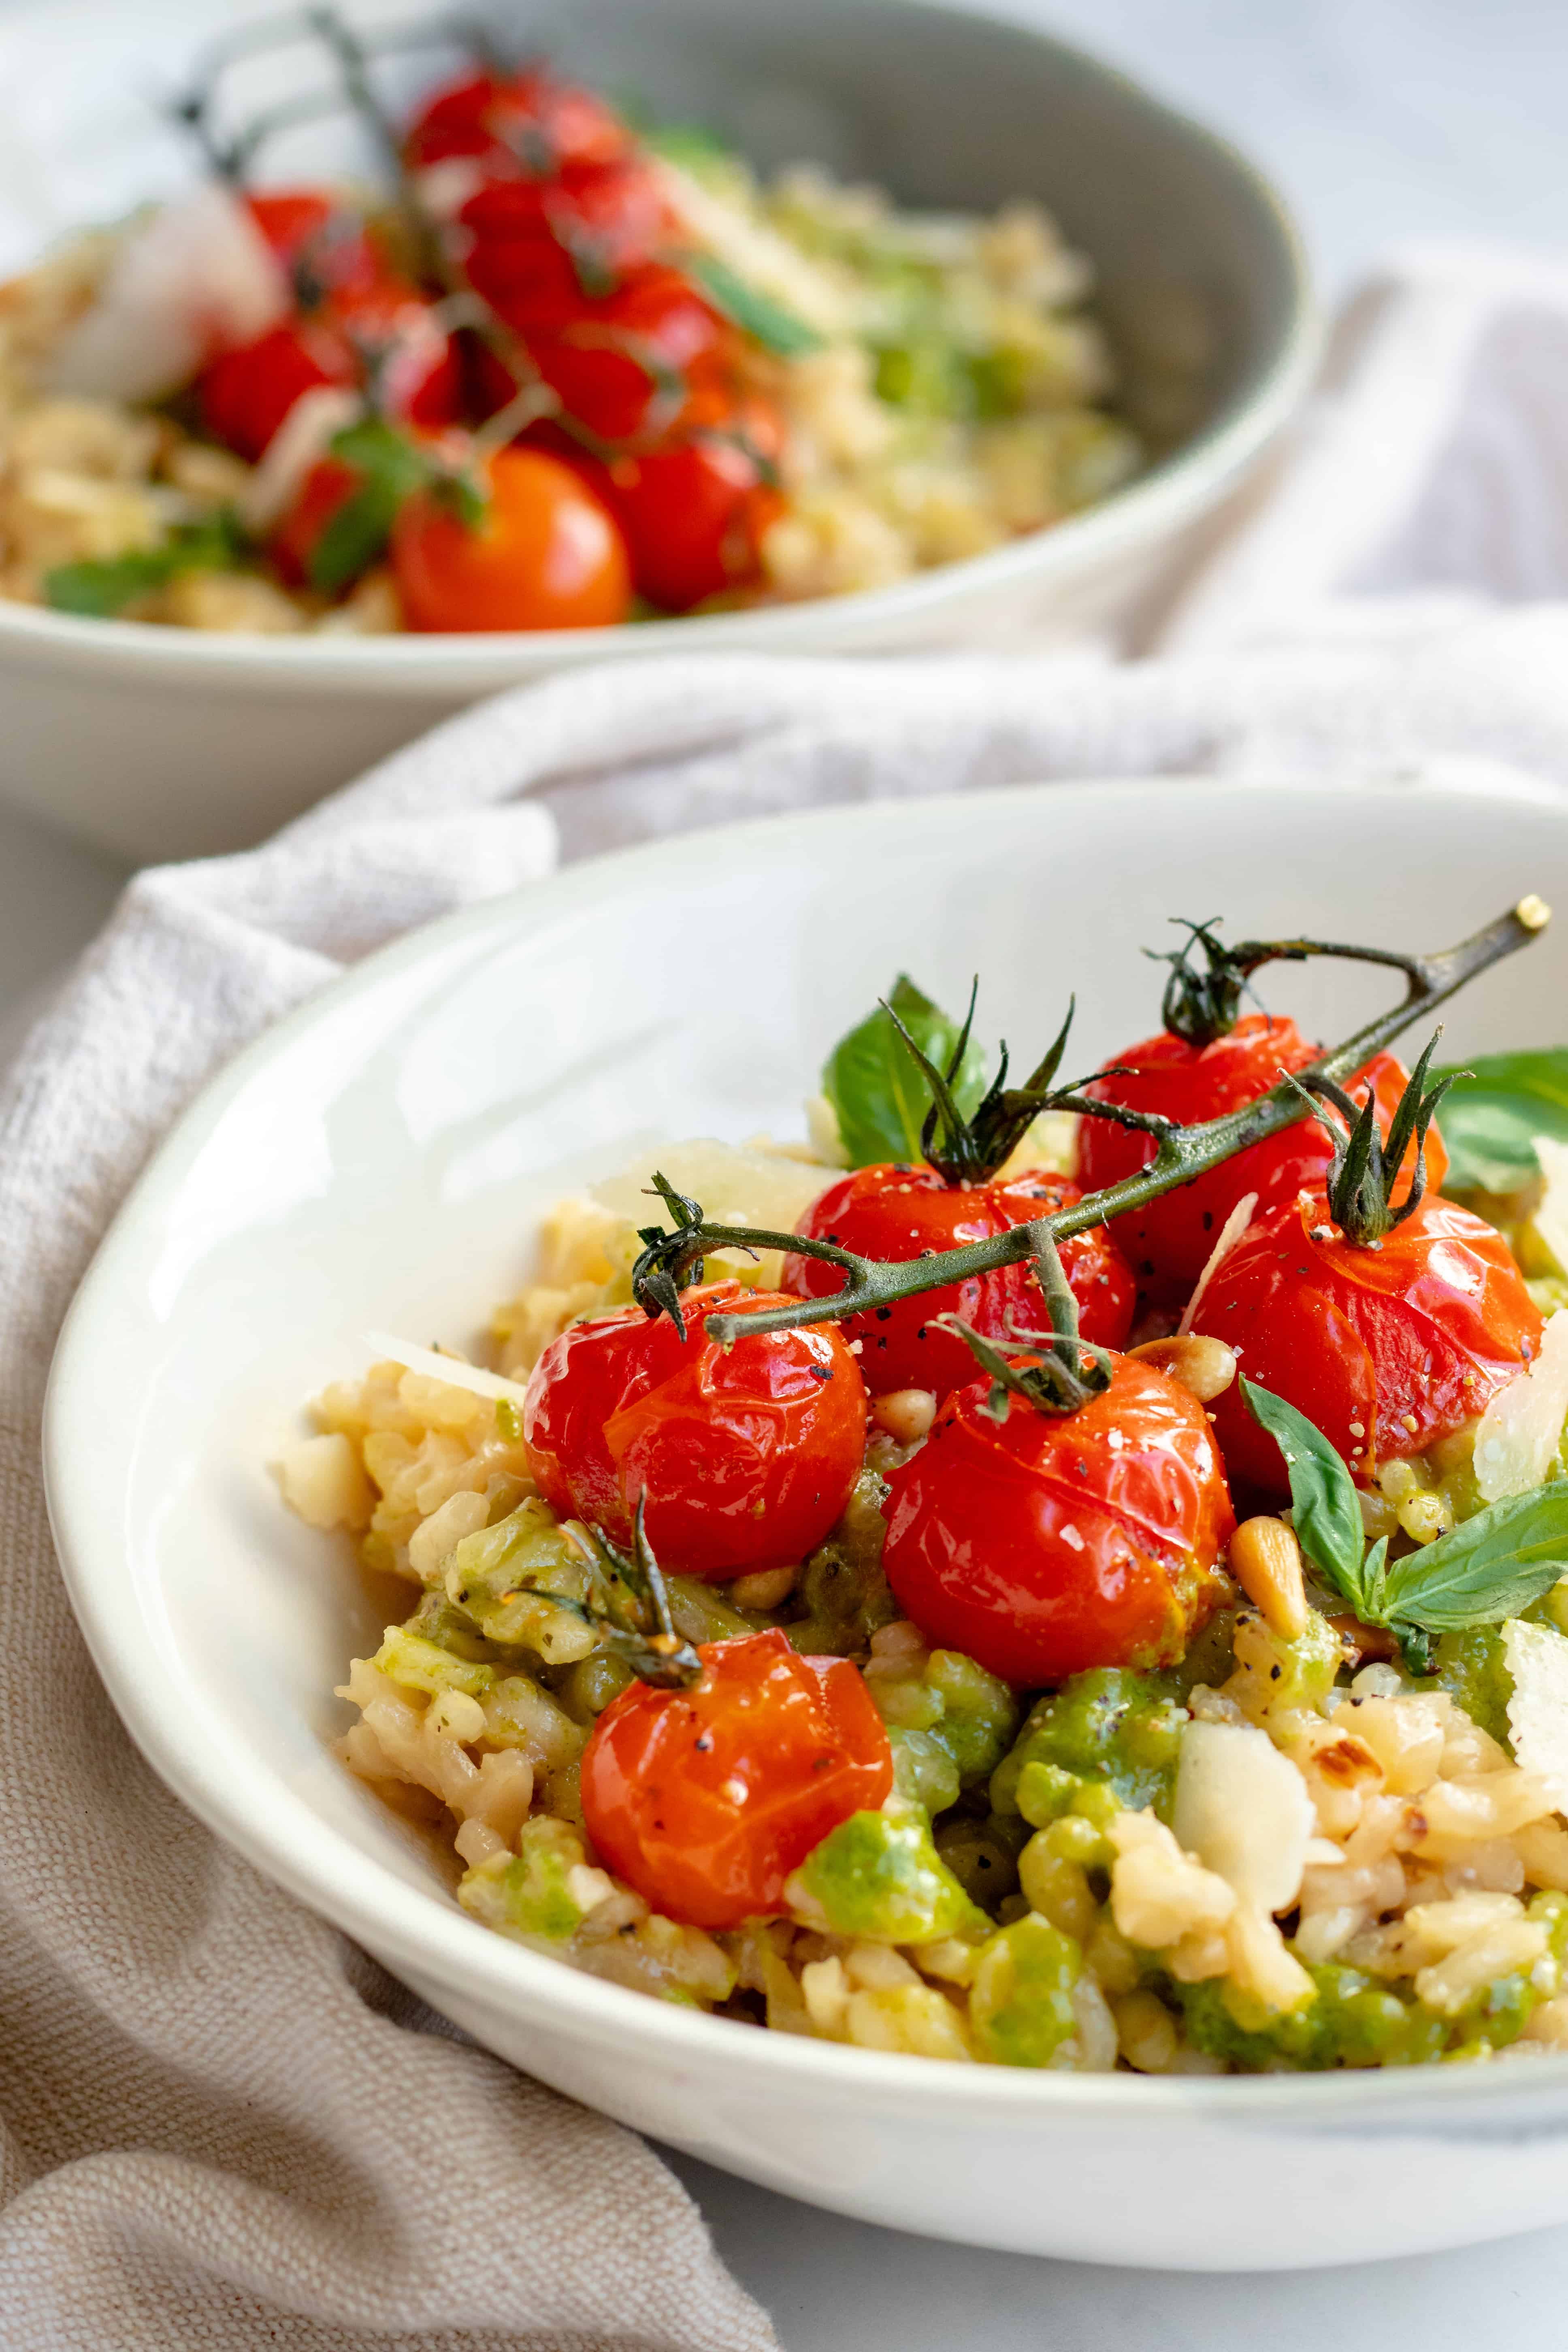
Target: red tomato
x=1050, y=1543
x=705, y=1800
x=635, y=365
x=405, y=358
x=547, y=555
x=329, y=485
x=745, y=1456
x=1170, y=1241
x=246, y=394
x=1385, y=1349
x=316, y=237
x=515, y=122
x=890, y=1212
x=694, y=514
x=541, y=247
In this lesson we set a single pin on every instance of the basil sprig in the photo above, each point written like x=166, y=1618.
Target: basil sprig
x=1491, y=1566
x=390, y=469
x=1495, y=1107
x=97, y=590
x=756, y=313
x=879, y=1095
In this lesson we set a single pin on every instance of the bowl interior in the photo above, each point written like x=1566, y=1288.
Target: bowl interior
x=379, y=1162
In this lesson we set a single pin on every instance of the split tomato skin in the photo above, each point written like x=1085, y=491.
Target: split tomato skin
x=545, y=555
x=1047, y=1544
x=886, y=1211
x=1169, y=1242
x=1386, y=1350
x=744, y=1458
x=705, y=1800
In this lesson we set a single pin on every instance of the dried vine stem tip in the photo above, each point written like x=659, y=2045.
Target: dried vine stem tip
x=1533, y=912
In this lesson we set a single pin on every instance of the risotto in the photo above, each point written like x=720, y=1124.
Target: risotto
x=1059, y=1656
x=564, y=373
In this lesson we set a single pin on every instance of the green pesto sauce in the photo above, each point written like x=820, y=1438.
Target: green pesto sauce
x=879, y=1876
x=1020, y=2000
x=1112, y=1727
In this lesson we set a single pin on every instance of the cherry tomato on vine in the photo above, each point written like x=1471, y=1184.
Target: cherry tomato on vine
x=1385, y=1349
x=695, y=513
x=545, y=555
x=323, y=246
x=705, y=1800
x=329, y=486
x=538, y=248
x=890, y=1211
x=1046, y=1544
x=525, y=123
x=385, y=339
x=1169, y=1242
x=246, y=394
x=745, y=1457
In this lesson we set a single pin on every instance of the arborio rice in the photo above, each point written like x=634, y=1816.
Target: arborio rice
x=1263, y=1859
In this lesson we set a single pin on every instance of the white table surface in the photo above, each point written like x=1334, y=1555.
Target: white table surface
x=1382, y=119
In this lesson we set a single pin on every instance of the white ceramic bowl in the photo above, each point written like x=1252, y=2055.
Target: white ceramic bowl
x=377, y=1162
x=160, y=742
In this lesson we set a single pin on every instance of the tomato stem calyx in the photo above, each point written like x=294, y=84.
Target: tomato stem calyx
x=630, y=1606
x=968, y=1151
x=1361, y=1183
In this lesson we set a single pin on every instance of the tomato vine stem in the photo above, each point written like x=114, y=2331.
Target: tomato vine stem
x=1183, y=1153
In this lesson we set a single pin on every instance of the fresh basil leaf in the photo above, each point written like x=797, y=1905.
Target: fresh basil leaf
x=1375, y=1584
x=756, y=313
x=355, y=536
x=97, y=591
x=879, y=1094
x=1495, y=1107
x=1487, y=1569
x=1324, y=1509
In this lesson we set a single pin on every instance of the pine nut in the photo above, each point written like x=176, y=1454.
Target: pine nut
x=905, y=1413
x=767, y=1588
x=1204, y=1367
x=1265, y=1561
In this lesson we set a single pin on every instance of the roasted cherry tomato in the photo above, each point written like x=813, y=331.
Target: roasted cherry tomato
x=694, y=513
x=1170, y=1241
x=705, y=1800
x=890, y=1212
x=538, y=248
x=745, y=1456
x=246, y=394
x=527, y=123
x=1046, y=1544
x=385, y=338
x=329, y=485
x=546, y=554
x=322, y=244
x=1385, y=1349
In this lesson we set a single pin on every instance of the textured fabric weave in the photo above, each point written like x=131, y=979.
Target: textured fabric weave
x=220, y=2126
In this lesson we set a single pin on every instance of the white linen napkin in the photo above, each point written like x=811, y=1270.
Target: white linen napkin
x=220, y=2125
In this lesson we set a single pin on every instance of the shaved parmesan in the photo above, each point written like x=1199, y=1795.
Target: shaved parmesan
x=1550, y=1218
x=195, y=279
x=1521, y=1427
x=1244, y=1809
x=1537, y=1658
x=450, y=1369
x=1230, y=1233
x=299, y=440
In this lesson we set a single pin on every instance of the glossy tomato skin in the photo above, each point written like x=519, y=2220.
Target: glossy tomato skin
x=246, y=394
x=695, y=513
x=385, y=335
x=891, y=1211
x=705, y=1800
x=1169, y=1242
x=745, y=1458
x=524, y=124
x=539, y=249
x=547, y=555
x=1387, y=1349
x=1048, y=1544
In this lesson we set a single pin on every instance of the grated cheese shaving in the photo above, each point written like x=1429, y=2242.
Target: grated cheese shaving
x=1550, y=1218
x=1243, y=1808
x=1537, y=1658
x=1230, y=1233
x=1521, y=1427
x=450, y=1369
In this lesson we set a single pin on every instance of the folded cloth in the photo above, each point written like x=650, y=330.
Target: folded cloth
x=220, y=2126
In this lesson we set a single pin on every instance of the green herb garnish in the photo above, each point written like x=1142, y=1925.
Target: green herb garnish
x=97, y=591
x=756, y=313
x=390, y=469
x=1491, y=1567
x=1494, y=1109
x=880, y=1096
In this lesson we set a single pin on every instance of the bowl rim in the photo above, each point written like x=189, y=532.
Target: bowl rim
x=325, y=1868
x=408, y=666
